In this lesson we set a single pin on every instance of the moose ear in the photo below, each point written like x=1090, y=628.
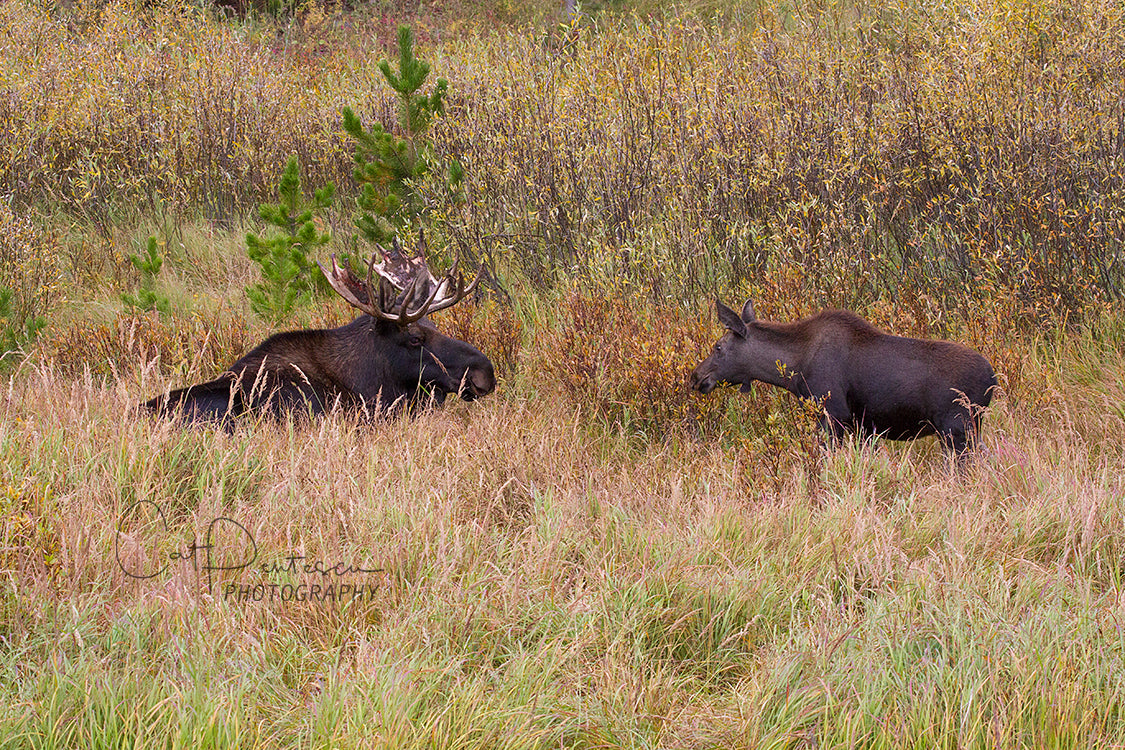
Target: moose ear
x=730, y=319
x=748, y=312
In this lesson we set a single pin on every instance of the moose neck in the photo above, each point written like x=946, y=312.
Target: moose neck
x=774, y=344
x=360, y=353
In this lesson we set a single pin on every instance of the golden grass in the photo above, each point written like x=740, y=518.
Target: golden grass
x=548, y=580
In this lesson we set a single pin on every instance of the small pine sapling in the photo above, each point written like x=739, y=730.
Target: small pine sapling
x=289, y=278
x=147, y=297
x=394, y=171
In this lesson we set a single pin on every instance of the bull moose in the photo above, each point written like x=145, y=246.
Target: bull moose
x=869, y=381
x=388, y=358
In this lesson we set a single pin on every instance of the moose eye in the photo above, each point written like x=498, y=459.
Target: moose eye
x=417, y=339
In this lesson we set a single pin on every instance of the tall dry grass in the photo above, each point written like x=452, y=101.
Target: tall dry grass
x=546, y=580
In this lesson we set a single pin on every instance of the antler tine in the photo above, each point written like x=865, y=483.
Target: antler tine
x=419, y=293
x=342, y=281
x=408, y=317
x=396, y=272
x=423, y=276
x=460, y=291
x=380, y=307
x=404, y=298
x=388, y=292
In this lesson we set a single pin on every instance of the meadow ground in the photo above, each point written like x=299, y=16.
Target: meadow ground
x=546, y=582
x=592, y=556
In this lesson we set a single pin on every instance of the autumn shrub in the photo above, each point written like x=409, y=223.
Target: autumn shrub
x=165, y=110
x=199, y=344
x=874, y=153
x=927, y=156
x=627, y=362
x=29, y=263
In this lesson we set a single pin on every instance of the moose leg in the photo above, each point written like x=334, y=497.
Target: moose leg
x=958, y=441
x=836, y=421
x=954, y=441
x=213, y=401
x=833, y=432
x=958, y=434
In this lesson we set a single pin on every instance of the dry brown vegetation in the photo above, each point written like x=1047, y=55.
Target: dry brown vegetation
x=592, y=556
x=548, y=580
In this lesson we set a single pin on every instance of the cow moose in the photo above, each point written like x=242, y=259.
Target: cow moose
x=389, y=358
x=869, y=382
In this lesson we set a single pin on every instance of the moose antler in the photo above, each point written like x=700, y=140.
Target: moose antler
x=407, y=288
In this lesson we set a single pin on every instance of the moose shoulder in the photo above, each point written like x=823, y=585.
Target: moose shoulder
x=869, y=381
x=390, y=356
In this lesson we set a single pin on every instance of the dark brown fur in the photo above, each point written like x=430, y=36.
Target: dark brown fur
x=366, y=364
x=870, y=381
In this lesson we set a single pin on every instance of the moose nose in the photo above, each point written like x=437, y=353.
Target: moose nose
x=695, y=380
x=701, y=383
x=482, y=380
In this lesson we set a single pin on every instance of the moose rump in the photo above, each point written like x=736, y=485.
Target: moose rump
x=391, y=357
x=868, y=381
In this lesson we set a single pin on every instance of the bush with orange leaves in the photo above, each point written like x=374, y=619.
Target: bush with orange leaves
x=200, y=343
x=627, y=361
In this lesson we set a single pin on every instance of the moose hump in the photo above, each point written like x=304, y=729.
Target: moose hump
x=389, y=357
x=869, y=381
